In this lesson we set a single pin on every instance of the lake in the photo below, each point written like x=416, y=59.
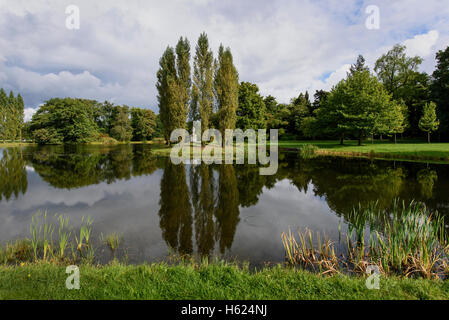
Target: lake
x=228, y=211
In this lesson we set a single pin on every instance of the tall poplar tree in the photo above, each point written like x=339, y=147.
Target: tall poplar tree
x=183, y=75
x=20, y=115
x=173, y=85
x=3, y=113
x=202, y=91
x=11, y=117
x=226, y=87
x=167, y=87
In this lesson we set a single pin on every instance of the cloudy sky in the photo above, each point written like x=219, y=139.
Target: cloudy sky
x=285, y=46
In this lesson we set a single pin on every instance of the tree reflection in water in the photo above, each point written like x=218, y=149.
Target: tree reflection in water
x=200, y=204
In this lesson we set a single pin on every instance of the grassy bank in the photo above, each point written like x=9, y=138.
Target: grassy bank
x=217, y=281
x=408, y=150
x=403, y=150
x=16, y=144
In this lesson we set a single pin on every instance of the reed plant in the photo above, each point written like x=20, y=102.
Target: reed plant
x=41, y=230
x=64, y=234
x=85, y=233
x=408, y=240
x=112, y=241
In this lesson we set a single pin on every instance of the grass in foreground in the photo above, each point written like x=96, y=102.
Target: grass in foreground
x=206, y=281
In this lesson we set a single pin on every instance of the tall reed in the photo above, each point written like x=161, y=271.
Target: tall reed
x=408, y=240
x=64, y=234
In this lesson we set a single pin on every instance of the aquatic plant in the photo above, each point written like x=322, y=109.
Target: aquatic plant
x=41, y=234
x=64, y=234
x=85, y=232
x=112, y=241
x=407, y=240
x=307, y=151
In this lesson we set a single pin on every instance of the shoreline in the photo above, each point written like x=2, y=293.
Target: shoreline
x=403, y=151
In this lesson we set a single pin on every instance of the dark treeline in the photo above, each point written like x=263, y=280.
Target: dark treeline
x=71, y=120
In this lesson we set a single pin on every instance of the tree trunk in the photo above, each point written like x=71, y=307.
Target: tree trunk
x=428, y=137
x=342, y=139
x=360, y=138
x=395, y=139
x=381, y=138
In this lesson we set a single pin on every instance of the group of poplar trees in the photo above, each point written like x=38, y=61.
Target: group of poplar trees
x=11, y=116
x=209, y=93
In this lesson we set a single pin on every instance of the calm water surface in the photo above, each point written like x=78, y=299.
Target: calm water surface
x=223, y=210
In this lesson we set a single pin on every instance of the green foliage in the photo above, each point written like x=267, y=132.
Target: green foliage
x=65, y=120
x=226, y=86
x=400, y=76
x=202, y=91
x=183, y=74
x=103, y=116
x=121, y=124
x=309, y=127
x=394, y=69
x=299, y=108
x=440, y=92
x=359, y=105
x=429, y=122
x=277, y=115
x=47, y=136
x=11, y=116
x=171, y=88
x=143, y=122
x=251, y=112
x=159, y=128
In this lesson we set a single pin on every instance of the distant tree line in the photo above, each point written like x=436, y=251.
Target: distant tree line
x=72, y=120
x=393, y=99
x=11, y=116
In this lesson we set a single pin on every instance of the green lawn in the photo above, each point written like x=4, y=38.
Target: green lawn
x=218, y=281
x=412, y=150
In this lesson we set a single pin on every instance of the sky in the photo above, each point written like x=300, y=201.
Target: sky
x=284, y=46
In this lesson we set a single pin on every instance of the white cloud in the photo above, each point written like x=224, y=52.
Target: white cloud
x=29, y=112
x=422, y=45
